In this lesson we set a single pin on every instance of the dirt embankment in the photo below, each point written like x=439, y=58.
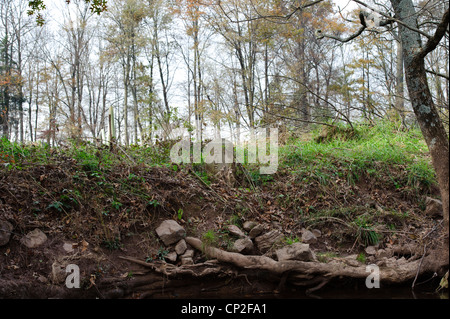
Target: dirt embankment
x=92, y=220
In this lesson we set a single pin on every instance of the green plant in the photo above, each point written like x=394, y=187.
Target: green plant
x=57, y=205
x=210, y=238
x=325, y=256
x=291, y=240
x=361, y=258
x=365, y=232
x=153, y=203
x=180, y=214
x=116, y=205
x=112, y=244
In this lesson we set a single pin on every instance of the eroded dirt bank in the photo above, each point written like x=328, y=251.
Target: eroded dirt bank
x=93, y=221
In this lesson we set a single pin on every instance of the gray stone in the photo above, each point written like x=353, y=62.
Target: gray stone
x=34, y=238
x=317, y=233
x=188, y=254
x=266, y=241
x=68, y=248
x=187, y=261
x=385, y=253
x=434, y=207
x=249, y=225
x=59, y=272
x=308, y=237
x=370, y=250
x=352, y=260
x=256, y=231
x=296, y=251
x=243, y=245
x=170, y=232
x=5, y=232
x=181, y=247
x=235, y=231
x=171, y=257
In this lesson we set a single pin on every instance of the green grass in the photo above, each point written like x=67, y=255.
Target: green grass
x=379, y=153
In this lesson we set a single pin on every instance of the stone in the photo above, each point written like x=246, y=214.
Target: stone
x=243, y=245
x=58, y=272
x=352, y=260
x=171, y=257
x=433, y=207
x=188, y=254
x=249, y=225
x=187, y=261
x=266, y=241
x=235, y=231
x=170, y=232
x=181, y=247
x=370, y=250
x=5, y=232
x=68, y=248
x=385, y=253
x=317, y=233
x=308, y=237
x=256, y=231
x=34, y=239
x=296, y=251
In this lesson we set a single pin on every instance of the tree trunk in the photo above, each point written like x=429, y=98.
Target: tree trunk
x=422, y=102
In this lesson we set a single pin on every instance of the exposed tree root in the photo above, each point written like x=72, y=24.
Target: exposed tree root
x=315, y=275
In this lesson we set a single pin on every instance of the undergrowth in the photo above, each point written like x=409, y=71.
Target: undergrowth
x=319, y=181
x=381, y=153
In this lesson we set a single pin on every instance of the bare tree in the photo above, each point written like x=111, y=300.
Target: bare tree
x=414, y=52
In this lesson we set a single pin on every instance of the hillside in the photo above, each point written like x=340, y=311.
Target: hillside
x=361, y=194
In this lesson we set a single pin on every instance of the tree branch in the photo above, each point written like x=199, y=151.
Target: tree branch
x=260, y=16
x=434, y=40
x=438, y=74
x=321, y=35
x=391, y=19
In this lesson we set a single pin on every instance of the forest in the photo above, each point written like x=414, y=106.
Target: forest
x=95, y=95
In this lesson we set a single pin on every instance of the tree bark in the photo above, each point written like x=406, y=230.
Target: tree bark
x=420, y=95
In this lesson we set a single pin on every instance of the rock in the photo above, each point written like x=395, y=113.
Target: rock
x=249, y=225
x=170, y=232
x=243, y=245
x=266, y=241
x=188, y=254
x=317, y=233
x=370, y=250
x=58, y=272
x=236, y=231
x=181, y=247
x=68, y=248
x=187, y=258
x=34, y=238
x=385, y=253
x=5, y=232
x=434, y=207
x=256, y=231
x=187, y=261
x=42, y=279
x=308, y=236
x=171, y=257
x=352, y=260
x=296, y=251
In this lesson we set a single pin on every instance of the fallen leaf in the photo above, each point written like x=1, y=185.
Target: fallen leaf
x=84, y=245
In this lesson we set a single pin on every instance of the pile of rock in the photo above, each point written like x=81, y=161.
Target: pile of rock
x=252, y=239
x=172, y=235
